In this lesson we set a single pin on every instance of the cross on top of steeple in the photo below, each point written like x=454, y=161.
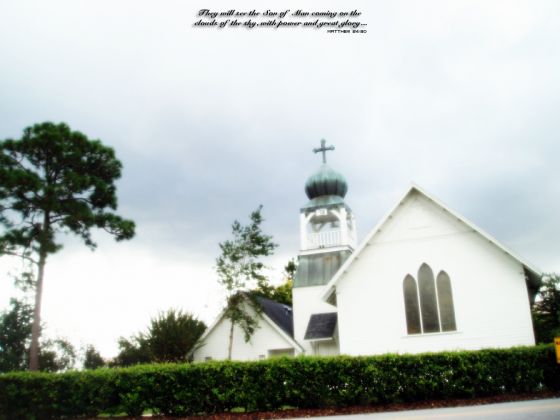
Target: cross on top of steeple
x=323, y=150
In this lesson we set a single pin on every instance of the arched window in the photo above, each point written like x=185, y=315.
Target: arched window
x=428, y=307
x=445, y=301
x=411, y=305
x=428, y=300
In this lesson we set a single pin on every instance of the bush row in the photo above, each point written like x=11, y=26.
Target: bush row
x=205, y=388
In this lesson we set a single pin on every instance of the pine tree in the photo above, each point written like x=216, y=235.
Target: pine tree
x=52, y=180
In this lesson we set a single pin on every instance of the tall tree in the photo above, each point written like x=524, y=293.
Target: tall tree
x=240, y=270
x=546, y=309
x=171, y=337
x=54, y=179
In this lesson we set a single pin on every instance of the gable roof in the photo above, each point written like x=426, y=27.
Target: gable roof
x=278, y=313
x=533, y=273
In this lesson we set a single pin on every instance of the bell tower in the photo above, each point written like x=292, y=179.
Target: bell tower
x=327, y=238
x=326, y=221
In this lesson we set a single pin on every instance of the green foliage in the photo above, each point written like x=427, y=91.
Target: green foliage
x=171, y=337
x=92, y=358
x=57, y=355
x=240, y=270
x=132, y=351
x=283, y=292
x=290, y=269
x=546, y=310
x=55, y=180
x=239, y=267
x=302, y=382
x=25, y=281
x=15, y=335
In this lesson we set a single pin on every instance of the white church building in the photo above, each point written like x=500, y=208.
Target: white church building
x=425, y=279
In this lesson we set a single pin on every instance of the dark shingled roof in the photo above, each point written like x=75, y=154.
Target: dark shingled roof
x=321, y=326
x=279, y=313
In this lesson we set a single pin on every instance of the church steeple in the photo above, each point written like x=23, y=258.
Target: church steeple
x=327, y=238
x=326, y=223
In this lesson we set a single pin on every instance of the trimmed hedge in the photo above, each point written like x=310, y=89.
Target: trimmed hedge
x=211, y=387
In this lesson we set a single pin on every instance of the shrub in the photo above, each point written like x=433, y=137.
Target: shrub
x=206, y=388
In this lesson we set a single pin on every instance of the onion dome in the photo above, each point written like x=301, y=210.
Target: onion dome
x=326, y=181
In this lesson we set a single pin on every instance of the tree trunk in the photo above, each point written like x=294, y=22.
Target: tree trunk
x=230, y=340
x=36, y=327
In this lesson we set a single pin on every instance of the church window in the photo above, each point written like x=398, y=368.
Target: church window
x=428, y=305
x=411, y=305
x=445, y=300
x=428, y=300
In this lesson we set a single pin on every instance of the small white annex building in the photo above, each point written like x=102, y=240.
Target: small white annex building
x=425, y=279
x=274, y=337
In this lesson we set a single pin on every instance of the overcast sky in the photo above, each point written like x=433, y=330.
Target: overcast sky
x=461, y=98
